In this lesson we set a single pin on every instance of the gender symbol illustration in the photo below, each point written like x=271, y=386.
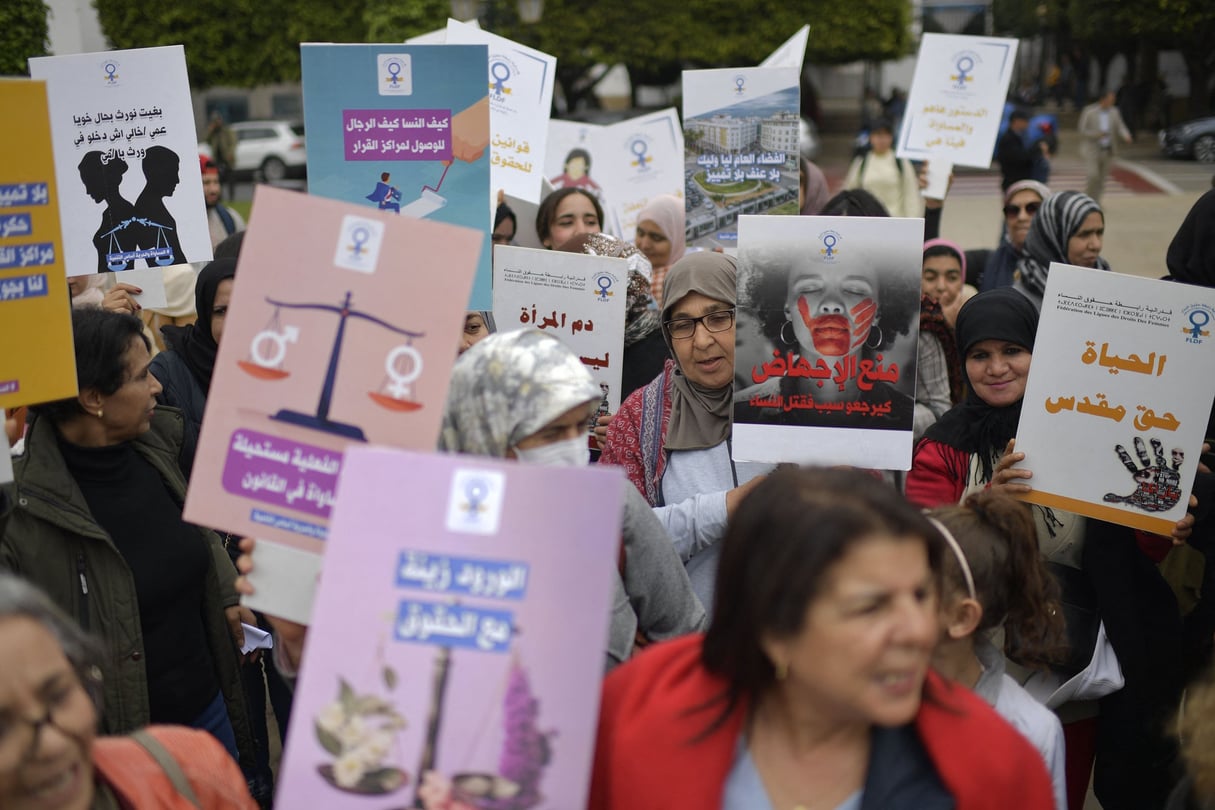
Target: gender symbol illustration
x=1157, y=489
x=266, y=365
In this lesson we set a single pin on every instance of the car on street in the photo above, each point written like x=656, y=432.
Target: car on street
x=1193, y=139
x=267, y=150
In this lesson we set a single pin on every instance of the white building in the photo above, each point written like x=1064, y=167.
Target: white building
x=779, y=133
x=724, y=133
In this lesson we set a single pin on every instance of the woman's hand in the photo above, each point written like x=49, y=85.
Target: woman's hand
x=288, y=634
x=735, y=496
x=1008, y=479
x=120, y=299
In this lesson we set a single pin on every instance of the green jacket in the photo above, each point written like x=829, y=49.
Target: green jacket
x=51, y=539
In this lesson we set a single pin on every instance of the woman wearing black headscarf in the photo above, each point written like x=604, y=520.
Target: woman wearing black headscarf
x=184, y=371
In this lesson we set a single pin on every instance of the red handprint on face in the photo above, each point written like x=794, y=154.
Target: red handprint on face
x=1158, y=487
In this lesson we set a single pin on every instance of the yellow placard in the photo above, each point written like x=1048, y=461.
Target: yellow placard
x=37, y=361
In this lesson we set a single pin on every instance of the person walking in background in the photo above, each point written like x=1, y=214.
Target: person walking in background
x=1101, y=127
x=222, y=221
x=222, y=141
x=1015, y=155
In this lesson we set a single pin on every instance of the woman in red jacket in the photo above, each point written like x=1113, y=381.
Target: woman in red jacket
x=812, y=686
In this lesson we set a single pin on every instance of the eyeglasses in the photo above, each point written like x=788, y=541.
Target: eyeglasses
x=19, y=736
x=684, y=328
x=1011, y=210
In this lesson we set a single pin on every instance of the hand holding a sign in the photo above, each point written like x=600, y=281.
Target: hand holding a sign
x=1007, y=478
x=1158, y=489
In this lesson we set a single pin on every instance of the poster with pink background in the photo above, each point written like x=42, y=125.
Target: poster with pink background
x=457, y=643
x=342, y=329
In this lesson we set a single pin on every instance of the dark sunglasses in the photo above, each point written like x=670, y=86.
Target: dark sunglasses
x=1011, y=210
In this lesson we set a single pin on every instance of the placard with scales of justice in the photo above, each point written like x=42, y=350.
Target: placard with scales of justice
x=339, y=331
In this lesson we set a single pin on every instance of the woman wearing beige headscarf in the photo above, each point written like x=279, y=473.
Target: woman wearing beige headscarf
x=660, y=235
x=673, y=436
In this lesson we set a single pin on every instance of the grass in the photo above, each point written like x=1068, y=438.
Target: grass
x=241, y=208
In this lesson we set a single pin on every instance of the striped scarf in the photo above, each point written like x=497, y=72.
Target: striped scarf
x=1056, y=221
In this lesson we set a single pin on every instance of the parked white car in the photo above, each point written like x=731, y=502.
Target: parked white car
x=267, y=150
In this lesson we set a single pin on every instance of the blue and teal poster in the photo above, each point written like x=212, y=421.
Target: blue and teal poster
x=403, y=129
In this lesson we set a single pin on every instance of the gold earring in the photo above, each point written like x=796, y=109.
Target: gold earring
x=100, y=413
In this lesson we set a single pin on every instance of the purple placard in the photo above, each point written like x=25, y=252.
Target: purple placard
x=397, y=134
x=281, y=472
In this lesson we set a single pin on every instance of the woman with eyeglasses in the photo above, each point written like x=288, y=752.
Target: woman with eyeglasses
x=673, y=436
x=1021, y=202
x=50, y=757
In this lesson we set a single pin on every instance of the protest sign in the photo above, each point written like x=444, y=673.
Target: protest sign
x=38, y=363
x=957, y=99
x=828, y=319
x=340, y=331
x=1118, y=396
x=791, y=53
x=126, y=159
x=579, y=299
x=741, y=130
x=457, y=646
x=644, y=158
x=402, y=129
x=520, y=102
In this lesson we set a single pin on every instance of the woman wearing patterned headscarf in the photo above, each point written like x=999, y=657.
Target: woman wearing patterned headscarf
x=660, y=236
x=1068, y=229
x=523, y=395
x=672, y=437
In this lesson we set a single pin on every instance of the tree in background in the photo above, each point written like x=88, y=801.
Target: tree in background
x=23, y=33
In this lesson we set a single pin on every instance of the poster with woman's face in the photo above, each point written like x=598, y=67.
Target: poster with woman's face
x=827, y=323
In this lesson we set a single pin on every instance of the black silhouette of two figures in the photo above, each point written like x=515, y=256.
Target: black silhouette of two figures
x=1158, y=484
x=145, y=230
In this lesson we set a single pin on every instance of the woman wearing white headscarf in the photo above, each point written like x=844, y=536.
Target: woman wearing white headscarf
x=523, y=395
x=660, y=235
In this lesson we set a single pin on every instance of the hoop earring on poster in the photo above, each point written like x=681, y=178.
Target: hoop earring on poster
x=881, y=338
x=788, y=341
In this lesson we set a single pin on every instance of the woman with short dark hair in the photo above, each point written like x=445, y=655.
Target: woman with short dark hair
x=96, y=523
x=812, y=686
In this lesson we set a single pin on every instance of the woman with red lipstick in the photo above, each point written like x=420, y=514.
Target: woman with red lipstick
x=812, y=687
x=95, y=521
x=842, y=320
x=50, y=757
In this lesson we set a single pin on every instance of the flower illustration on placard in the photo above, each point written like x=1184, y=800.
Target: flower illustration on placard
x=361, y=731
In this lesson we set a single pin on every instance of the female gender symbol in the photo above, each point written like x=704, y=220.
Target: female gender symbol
x=640, y=154
x=360, y=235
x=110, y=69
x=605, y=283
x=829, y=243
x=1197, y=330
x=476, y=491
x=290, y=334
x=965, y=65
x=394, y=73
x=499, y=81
x=739, y=81
x=400, y=382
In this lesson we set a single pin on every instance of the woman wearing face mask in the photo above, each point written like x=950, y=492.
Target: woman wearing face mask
x=523, y=395
x=50, y=756
x=1021, y=202
x=1069, y=228
x=673, y=436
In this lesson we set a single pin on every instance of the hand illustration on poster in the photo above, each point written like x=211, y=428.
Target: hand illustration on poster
x=1158, y=485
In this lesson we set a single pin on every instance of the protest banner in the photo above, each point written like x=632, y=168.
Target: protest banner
x=340, y=331
x=577, y=298
x=457, y=646
x=402, y=129
x=741, y=129
x=38, y=363
x=1118, y=396
x=126, y=159
x=520, y=102
x=957, y=99
x=828, y=320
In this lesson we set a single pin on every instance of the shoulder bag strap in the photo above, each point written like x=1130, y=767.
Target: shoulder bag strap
x=167, y=763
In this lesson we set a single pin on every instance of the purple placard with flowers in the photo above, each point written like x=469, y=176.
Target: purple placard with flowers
x=457, y=640
x=282, y=472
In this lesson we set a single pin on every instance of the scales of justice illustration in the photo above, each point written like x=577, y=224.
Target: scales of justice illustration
x=402, y=365
x=114, y=260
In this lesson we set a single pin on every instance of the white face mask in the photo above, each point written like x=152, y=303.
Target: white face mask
x=573, y=452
